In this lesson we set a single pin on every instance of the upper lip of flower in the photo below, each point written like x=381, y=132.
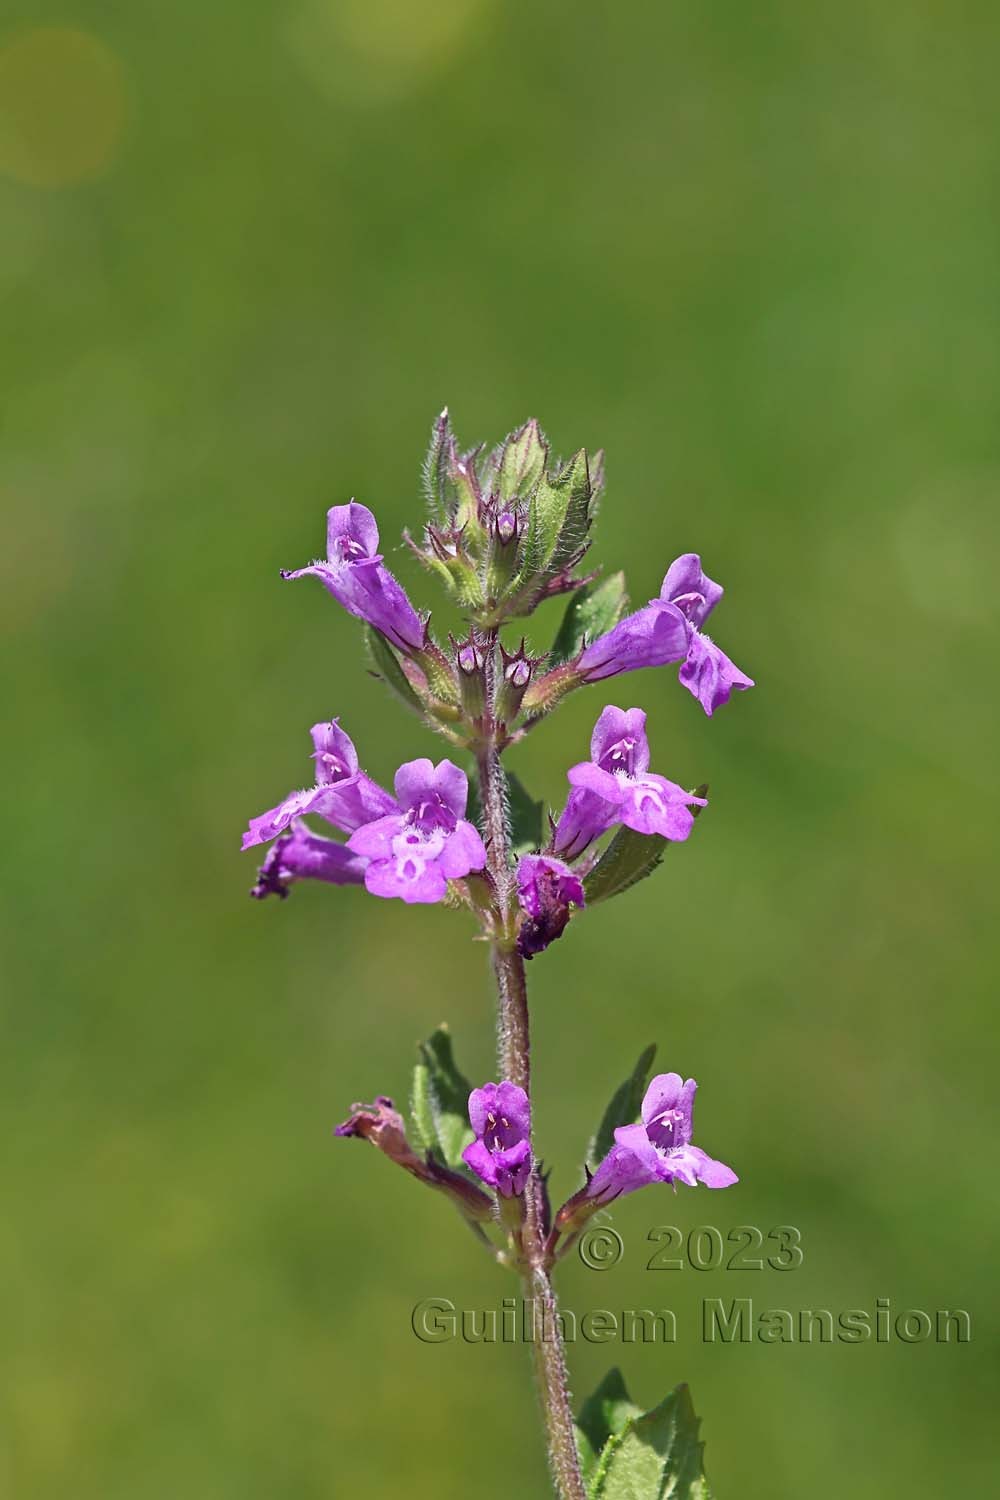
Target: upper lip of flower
x=690, y=605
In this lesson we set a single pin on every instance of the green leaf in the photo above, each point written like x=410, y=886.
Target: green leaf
x=461, y=489
x=422, y=1109
x=596, y=481
x=446, y=1092
x=575, y=526
x=387, y=667
x=623, y=1109
x=555, y=506
x=450, y=483
x=545, y=517
x=603, y=1415
x=656, y=1456
x=592, y=611
x=523, y=462
x=629, y=858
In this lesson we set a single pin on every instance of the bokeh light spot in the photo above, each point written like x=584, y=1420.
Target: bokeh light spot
x=372, y=51
x=62, y=106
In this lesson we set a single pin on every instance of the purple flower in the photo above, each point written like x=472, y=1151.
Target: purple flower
x=501, y=1153
x=356, y=577
x=546, y=888
x=616, y=786
x=707, y=671
x=652, y=637
x=300, y=854
x=425, y=841
x=668, y=629
x=584, y=818
x=658, y=1149
x=343, y=794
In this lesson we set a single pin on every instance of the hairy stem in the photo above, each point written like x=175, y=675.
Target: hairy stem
x=508, y=965
x=513, y=1034
x=515, y=1066
x=550, y=1368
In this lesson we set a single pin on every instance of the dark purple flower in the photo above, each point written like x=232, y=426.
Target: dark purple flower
x=669, y=629
x=616, y=786
x=707, y=671
x=501, y=1153
x=658, y=1149
x=300, y=854
x=357, y=578
x=343, y=794
x=425, y=842
x=546, y=888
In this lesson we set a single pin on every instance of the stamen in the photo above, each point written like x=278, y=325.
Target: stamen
x=351, y=549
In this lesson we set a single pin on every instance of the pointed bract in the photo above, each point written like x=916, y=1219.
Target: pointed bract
x=522, y=465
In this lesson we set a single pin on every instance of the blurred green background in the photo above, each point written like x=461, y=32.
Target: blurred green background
x=246, y=254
